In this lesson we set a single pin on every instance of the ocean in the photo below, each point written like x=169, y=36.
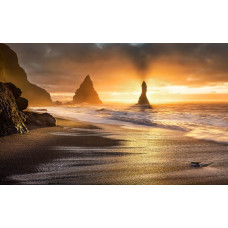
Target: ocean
x=208, y=121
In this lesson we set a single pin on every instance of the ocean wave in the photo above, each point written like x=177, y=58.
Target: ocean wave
x=212, y=134
x=201, y=121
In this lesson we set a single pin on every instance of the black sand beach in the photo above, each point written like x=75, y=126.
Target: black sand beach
x=80, y=153
x=21, y=154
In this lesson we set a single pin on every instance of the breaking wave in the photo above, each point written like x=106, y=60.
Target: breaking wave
x=201, y=121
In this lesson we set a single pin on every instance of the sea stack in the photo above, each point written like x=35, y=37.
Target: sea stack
x=86, y=93
x=143, y=98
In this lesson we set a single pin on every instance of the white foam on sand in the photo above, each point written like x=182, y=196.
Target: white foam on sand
x=201, y=121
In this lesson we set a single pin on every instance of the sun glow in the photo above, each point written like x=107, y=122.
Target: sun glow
x=158, y=94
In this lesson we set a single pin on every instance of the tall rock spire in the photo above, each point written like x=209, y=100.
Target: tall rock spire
x=143, y=98
x=86, y=93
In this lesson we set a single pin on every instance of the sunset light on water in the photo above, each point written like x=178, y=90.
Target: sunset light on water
x=113, y=114
x=132, y=113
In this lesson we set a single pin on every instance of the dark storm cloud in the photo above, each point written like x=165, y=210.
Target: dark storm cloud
x=53, y=63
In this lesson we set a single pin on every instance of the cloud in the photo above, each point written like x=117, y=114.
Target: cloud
x=61, y=67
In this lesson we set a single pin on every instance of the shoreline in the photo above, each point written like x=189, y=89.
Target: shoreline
x=114, y=116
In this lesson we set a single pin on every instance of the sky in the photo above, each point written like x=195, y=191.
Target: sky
x=173, y=72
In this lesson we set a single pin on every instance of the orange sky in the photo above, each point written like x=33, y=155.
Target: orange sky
x=173, y=72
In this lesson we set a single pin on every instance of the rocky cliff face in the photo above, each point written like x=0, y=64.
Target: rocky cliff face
x=11, y=120
x=10, y=71
x=86, y=93
x=143, y=98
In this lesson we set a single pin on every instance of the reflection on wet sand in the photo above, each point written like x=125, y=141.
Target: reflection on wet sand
x=142, y=156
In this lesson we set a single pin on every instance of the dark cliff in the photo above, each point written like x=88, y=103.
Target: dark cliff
x=10, y=71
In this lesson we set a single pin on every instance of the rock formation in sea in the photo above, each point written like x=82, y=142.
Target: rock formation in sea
x=11, y=119
x=86, y=93
x=143, y=98
x=10, y=71
x=58, y=103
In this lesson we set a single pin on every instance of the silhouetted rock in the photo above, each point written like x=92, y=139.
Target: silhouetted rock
x=15, y=91
x=86, y=93
x=40, y=120
x=143, y=98
x=10, y=71
x=58, y=103
x=22, y=103
x=11, y=119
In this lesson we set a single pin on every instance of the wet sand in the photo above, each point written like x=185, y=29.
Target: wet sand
x=80, y=153
x=22, y=154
